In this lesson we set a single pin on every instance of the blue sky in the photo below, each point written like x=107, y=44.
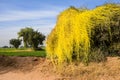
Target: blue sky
x=38, y=14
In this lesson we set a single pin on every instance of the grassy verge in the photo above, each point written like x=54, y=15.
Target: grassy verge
x=22, y=52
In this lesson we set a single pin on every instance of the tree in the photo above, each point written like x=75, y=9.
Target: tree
x=15, y=42
x=24, y=33
x=5, y=47
x=79, y=34
x=36, y=38
x=31, y=37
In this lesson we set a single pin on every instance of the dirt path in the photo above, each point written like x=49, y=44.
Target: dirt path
x=25, y=68
x=35, y=68
x=33, y=75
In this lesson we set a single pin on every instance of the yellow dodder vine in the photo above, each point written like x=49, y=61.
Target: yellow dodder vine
x=71, y=39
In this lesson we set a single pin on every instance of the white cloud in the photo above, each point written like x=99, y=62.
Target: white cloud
x=15, y=19
x=6, y=34
x=26, y=15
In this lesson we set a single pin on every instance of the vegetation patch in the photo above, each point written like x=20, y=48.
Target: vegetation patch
x=23, y=52
x=80, y=33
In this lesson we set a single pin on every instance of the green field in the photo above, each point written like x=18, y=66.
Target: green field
x=21, y=52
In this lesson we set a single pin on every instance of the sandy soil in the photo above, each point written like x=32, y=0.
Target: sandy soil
x=25, y=68
x=35, y=68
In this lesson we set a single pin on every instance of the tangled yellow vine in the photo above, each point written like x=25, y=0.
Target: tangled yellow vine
x=71, y=38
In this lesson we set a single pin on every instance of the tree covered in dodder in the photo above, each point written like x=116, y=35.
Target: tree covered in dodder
x=79, y=33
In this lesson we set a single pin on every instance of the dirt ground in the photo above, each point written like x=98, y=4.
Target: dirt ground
x=25, y=68
x=36, y=68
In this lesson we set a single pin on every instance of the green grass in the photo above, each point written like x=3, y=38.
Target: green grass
x=7, y=49
x=21, y=52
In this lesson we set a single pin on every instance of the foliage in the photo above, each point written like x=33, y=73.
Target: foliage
x=31, y=38
x=35, y=39
x=106, y=32
x=15, y=42
x=79, y=32
x=5, y=47
x=25, y=33
x=97, y=55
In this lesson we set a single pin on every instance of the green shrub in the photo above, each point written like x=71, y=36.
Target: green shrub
x=97, y=55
